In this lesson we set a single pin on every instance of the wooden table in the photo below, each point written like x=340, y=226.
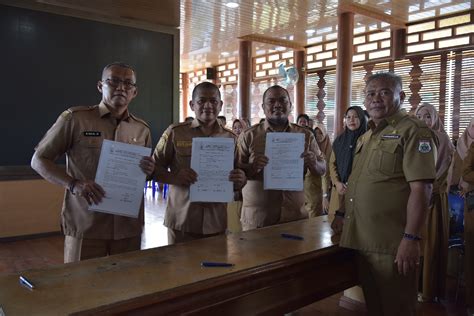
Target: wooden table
x=272, y=275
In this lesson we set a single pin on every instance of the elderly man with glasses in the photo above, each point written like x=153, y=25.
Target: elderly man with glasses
x=78, y=133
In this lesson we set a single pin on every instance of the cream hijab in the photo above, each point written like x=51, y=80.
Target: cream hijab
x=445, y=147
x=465, y=141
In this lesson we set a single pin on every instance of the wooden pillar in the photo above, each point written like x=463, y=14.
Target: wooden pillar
x=398, y=44
x=245, y=77
x=415, y=84
x=343, y=68
x=442, y=86
x=321, y=94
x=299, y=57
x=457, y=94
x=185, y=89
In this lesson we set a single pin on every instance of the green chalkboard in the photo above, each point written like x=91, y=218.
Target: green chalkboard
x=52, y=62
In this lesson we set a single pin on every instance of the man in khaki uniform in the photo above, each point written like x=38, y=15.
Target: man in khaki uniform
x=188, y=220
x=79, y=133
x=268, y=207
x=387, y=197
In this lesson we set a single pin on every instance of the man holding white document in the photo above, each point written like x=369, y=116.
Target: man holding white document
x=197, y=160
x=79, y=133
x=275, y=155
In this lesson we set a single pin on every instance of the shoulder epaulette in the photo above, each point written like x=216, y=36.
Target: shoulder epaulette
x=139, y=120
x=67, y=115
x=181, y=124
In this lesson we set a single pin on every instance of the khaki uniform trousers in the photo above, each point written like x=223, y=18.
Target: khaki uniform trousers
x=77, y=249
x=386, y=292
x=178, y=236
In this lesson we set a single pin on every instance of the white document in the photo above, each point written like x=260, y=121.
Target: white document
x=119, y=174
x=284, y=170
x=212, y=158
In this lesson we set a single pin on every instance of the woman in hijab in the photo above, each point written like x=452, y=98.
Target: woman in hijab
x=234, y=208
x=340, y=164
x=324, y=143
x=436, y=233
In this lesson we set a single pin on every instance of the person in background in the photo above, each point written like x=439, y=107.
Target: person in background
x=188, y=220
x=234, y=208
x=222, y=119
x=238, y=126
x=468, y=177
x=269, y=207
x=435, y=250
x=313, y=197
x=387, y=197
x=303, y=120
x=342, y=156
x=324, y=143
x=464, y=142
x=78, y=133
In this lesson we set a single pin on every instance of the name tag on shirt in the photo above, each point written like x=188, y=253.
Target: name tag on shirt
x=390, y=136
x=92, y=133
x=184, y=143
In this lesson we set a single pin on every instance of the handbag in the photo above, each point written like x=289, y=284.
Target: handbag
x=470, y=200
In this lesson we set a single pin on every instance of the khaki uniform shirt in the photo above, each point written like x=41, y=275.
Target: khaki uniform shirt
x=79, y=133
x=268, y=207
x=400, y=150
x=174, y=152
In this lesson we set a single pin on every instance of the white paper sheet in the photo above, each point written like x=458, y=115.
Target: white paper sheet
x=284, y=170
x=212, y=158
x=119, y=174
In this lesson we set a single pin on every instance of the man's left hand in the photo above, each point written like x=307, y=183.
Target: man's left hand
x=238, y=177
x=309, y=158
x=408, y=256
x=147, y=164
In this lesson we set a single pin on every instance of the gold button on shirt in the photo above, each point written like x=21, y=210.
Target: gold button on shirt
x=269, y=207
x=401, y=149
x=174, y=152
x=78, y=133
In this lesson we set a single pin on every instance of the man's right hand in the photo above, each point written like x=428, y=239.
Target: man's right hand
x=341, y=188
x=259, y=163
x=337, y=224
x=185, y=177
x=89, y=190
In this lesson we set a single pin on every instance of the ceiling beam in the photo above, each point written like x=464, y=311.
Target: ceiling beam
x=368, y=11
x=272, y=40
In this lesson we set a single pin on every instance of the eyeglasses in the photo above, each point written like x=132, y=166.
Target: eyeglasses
x=202, y=101
x=115, y=82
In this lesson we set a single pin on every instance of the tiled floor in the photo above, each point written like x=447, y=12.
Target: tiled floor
x=42, y=252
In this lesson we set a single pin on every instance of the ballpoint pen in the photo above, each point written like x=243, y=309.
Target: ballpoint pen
x=290, y=236
x=216, y=264
x=24, y=281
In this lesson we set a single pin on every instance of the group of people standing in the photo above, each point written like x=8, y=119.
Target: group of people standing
x=380, y=177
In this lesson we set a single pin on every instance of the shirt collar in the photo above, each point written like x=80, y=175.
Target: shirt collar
x=268, y=127
x=195, y=124
x=104, y=110
x=390, y=120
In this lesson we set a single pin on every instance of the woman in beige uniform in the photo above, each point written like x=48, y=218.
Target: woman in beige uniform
x=324, y=143
x=436, y=233
x=468, y=176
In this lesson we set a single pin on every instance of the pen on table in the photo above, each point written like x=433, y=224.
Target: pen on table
x=290, y=236
x=216, y=264
x=24, y=281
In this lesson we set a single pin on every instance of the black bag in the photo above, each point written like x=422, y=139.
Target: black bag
x=470, y=200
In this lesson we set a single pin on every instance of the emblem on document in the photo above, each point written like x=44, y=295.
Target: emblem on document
x=424, y=146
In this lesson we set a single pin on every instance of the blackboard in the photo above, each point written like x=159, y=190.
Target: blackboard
x=52, y=62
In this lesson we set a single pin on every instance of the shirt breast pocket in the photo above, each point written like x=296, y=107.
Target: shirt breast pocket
x=386, y=158
x=90, y=142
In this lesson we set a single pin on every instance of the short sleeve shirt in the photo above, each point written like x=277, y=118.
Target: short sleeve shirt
x=173, y=152
x=78, y=133
x=399, y=150
x=268, y=207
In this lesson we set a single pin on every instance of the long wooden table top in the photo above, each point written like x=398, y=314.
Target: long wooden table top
x=168, y=273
